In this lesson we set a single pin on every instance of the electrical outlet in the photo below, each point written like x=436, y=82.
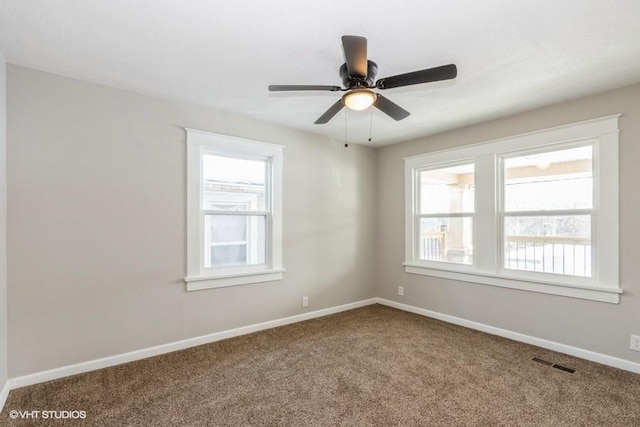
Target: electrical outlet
x=305, y=301
x=401, y=290
x=635, y=343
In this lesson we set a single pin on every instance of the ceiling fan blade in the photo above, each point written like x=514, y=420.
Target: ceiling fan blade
x=328, y=115
x=444, y=72
x=285, y=88
x=390, y=108
x=355, y=55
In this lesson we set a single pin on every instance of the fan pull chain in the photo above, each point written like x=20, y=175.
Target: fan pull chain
x=346, y=142
x=370, y=123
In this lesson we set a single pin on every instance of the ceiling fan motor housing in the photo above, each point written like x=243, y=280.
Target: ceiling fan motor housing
x=351, y=82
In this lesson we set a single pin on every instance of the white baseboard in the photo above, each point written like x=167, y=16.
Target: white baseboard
x=604, y=359
x=106, y=362
x=4, y=394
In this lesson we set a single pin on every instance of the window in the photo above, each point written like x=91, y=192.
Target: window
x=234, y=211
x=537, y=212
x=446, y=214
x=548, y=211
x=234, y=224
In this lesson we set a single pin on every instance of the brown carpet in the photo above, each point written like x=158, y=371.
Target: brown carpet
x=374, y=366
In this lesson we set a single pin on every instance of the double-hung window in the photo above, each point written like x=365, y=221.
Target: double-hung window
x=537, y=212
x=234, y=224
x=548, y=210
x=445, y=213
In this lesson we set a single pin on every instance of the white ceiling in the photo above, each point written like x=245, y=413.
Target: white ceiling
x=511, y=55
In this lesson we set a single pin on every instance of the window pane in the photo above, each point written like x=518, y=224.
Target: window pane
x=234, y=240
x=446, y=190
x=228, y=256
x=446, y=239
x=549, y=244
x=560, y=179
x=227, y=228
x=233, y=184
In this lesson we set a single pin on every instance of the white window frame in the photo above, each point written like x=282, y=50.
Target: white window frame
x=418, y=216
x=487, y=269
x=200, y=143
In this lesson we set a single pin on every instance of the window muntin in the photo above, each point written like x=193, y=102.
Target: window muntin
x=548, y=199
x=445, y=219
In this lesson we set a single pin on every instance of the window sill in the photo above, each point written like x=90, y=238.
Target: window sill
x=594, y=293
x=198, y=283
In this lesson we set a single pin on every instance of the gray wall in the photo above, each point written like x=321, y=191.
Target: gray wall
x=96, y=238
x=3, y=222
x=96, y=227
x=595, y=326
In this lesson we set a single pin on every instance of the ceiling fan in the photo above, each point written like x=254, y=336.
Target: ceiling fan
x=358, y=74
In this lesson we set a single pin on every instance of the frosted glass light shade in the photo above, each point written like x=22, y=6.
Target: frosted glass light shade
x=359, y=100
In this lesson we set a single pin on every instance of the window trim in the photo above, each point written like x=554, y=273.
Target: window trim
x=604, y=285
x=200, y=143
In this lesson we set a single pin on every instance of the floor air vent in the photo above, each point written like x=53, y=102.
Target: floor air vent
x=544, y=362
x=553, y=365
x=564, y=368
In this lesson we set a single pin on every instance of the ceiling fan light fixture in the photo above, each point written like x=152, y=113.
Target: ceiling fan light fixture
x=359, y=100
